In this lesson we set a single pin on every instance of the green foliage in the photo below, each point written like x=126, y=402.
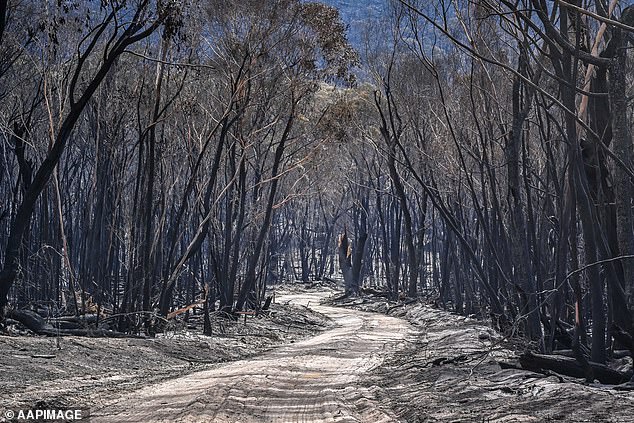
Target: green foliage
x=330, y=32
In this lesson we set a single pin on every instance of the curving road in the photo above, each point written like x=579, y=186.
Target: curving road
x=315, y=380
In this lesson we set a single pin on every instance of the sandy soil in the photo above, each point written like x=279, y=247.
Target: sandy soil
x=320, y=379
x=85, y=372
x=407, y=363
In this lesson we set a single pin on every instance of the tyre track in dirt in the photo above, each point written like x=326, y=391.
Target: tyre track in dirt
x=320, y=379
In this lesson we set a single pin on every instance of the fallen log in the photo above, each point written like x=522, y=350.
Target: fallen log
x=65, y=324
x=83, y=319
x=31, y=320
x=570, y=367
x=614, y=354
x=37, y=324
x=570, y=353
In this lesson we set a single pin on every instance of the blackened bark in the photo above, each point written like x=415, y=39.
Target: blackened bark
x=391, y=129
x=357, y=256
x=344, y=252
x=570, y=367
x=250, y=279
x=622, y=140
x=22, y=220
x=3, y=17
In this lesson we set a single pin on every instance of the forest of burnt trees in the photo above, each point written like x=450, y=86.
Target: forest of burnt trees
x=477, y=153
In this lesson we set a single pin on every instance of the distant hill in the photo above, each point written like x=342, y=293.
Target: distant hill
x=357, y=14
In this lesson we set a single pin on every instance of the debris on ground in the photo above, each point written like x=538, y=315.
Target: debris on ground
x=453, y=372
x=70, y=371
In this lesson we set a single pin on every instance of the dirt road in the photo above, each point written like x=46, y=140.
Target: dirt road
x=320, y=379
